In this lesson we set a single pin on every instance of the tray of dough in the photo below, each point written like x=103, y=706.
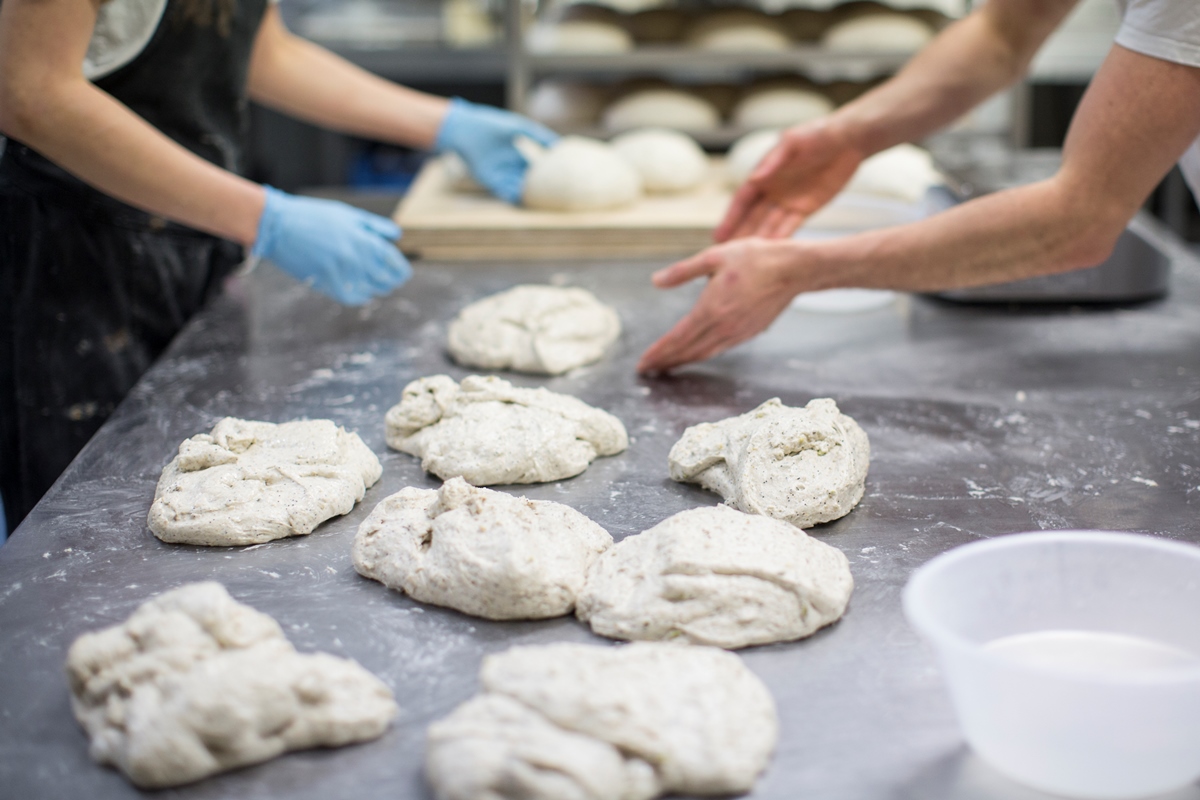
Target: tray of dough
x=445, y=222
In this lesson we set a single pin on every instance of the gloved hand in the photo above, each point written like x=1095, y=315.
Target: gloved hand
x=342, y=251
x=483, y=137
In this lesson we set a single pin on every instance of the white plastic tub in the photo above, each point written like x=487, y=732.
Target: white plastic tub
x=1072, y=658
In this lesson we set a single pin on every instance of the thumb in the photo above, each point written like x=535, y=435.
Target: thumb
x=381, y=226
x=679, y=273
x=539, y=133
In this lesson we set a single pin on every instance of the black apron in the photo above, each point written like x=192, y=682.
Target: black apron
x=93, y=290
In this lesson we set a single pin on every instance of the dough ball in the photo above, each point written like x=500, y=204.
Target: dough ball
x=579, y=174
x=658, y=26
x=662, y=108
x=584, y=721
x=904, y=172
x=806, y=24
x=780, y=107
x=195, y=683
x=252, y=482
x=489, y=432
x=458, y=176
x=738, y=31
x=545, y=330
x=669, y=162
x=802, y=465
x=746, y=153
x=579, y=36
x=885, y=32
x=562, y=104
x=719, y=577
x=482, y=552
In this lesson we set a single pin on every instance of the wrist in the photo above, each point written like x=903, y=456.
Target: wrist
x=250, y=208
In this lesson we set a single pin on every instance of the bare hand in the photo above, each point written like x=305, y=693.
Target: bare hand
x=811, y=164
x=750, y=282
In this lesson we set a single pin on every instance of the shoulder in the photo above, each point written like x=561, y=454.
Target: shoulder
x=123, y=29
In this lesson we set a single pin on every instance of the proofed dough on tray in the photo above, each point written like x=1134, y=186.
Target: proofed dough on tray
x=195, y=683
x=482, y=552
x=716, y=576
x=250, y=482
x=487, y=431
x=544, y=330
x=803, y=465
x=605, y=723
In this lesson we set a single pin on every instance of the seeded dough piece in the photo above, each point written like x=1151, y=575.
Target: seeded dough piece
x=747, y=152
x=579, y=36
x=883, y=32
x=195, y=683
x=716, y=576
x=482, y=552
x=779, y=107
x=580, y=174
x=597, y=723
x=661, y=108
x=250, y=482
x=802, y=465
x=738, y=31
x=545, y=330
x=489, y=432
x=668, y=161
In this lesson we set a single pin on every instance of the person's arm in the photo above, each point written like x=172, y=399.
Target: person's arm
x=1136, y=119
x=968, y=62
x=46, y=103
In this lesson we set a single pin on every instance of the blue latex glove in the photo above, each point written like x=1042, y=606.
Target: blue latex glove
x=483, y=137
x=342, y=251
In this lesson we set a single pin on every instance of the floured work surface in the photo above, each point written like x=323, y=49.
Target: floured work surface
x=443, y=223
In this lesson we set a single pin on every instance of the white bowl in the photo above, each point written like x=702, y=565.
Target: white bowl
x=1072, y=658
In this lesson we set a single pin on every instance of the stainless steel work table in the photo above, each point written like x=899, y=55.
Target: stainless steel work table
x=983, y=421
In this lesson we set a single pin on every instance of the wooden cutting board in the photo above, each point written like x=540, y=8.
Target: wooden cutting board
x=444, y=223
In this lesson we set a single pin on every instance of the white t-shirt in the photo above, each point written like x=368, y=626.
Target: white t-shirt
x=1170, y=30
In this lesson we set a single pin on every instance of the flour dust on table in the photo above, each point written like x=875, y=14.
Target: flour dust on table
x=719, y=577
x=802, y=465
x=488, y=432
x=593, y=722
x=250, y=482
x=478, y=551
x=544, y=330
x=195, y=683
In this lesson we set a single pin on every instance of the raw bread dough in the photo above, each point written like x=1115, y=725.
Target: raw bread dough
x=779, y=107
x=251, y=482
x=883, y=32
x=904, y=172
x=195, y=683
x=738, y=31
x=747, y=152
x=488, y=431
x=579, y=36
x=482, y=552
x=669, y=162
x=661, y=108
x=546, y=330
x=716, y=576
x=580, y=174
x=458, y=176
x=564, y=104
x=803, y=465
x=605, y=723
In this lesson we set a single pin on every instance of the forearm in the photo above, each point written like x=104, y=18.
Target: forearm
x=303, y=80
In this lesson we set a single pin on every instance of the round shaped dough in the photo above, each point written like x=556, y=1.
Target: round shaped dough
x=579, y=174
x=887, y=32
x=661, y=108
x=904, y=172
x=780, y=107
x=546, y=330
x=563, y=104
x=747, y=152
x=481, y=552
x=802, y=465
x=747, y=580
x=579, y=36
x=669, y=162
x=738, y=31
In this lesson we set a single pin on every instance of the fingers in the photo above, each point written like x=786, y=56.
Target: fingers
x=788, y=223
x=679, y=273
x=675, y=346
x=380, y=225
x=538, y=132
x=754, y=220
x=744, y=199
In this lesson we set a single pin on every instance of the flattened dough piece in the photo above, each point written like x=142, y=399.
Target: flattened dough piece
x=489, y=432
x=545, y=330
x=716, y=576
x=803, y=465
x=688, y=720
x=250, y=482
x=195, y=683
x=482, y=552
